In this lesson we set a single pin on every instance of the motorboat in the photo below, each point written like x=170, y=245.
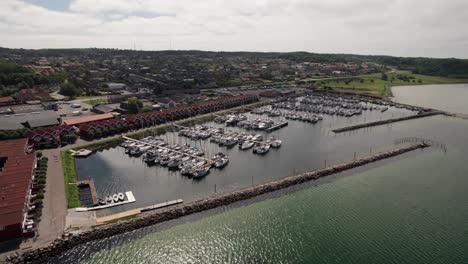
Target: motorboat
x=121, y=196
x=261, y=148
x=246, y=145
x=200, y=171
x=222, y=162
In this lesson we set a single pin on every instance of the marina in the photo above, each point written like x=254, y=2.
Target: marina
x=192, y=162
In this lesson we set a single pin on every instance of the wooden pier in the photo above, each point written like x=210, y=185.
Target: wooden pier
x=280, y=125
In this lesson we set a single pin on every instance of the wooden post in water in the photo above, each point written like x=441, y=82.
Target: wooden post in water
x=215, y=188
x=354, y=155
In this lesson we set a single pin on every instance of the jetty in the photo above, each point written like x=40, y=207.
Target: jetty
x=278, y=126
x=161, y=205
x=387, y=121
x=42, y=255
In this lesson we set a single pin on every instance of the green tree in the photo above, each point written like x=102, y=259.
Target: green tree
x=384, y=77
x=134, y=105
x=69, y=89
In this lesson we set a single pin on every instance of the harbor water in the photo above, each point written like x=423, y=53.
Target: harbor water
x=411, y=209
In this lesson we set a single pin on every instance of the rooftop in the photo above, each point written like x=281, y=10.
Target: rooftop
x=16, y=167
x=86, y=119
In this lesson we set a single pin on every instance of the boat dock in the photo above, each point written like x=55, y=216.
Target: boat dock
x=278, y=126
x=161, y=205
x=92, y=187
x=130, y=199
x=209, y=161
x=108, y=218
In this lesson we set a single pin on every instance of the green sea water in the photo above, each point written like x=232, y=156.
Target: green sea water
x=412, y=209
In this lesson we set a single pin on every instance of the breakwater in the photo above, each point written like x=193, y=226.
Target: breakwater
x=69, y=241
x=384, y=122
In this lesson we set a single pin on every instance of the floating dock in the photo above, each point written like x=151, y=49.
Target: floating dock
x=130, y=199
x=278, y=126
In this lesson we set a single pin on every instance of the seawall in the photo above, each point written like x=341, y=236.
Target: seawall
x=384, y=122
x=69, y=241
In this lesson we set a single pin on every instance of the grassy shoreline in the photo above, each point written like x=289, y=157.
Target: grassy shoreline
x=374, y=83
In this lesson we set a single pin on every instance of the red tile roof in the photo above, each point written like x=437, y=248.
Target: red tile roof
x=15, y=179
x=86, y=119
x=6, y=99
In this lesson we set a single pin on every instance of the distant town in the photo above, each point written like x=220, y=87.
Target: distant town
x=56, y=105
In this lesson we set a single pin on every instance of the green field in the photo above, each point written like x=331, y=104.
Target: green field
x=374, y=84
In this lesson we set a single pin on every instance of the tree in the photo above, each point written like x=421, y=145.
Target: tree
x=384, y=77
x=134, y=105
x=69, y=89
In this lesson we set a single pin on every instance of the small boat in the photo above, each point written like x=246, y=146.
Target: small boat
x=102, y=201
x=261, y=149
x=246, y=145
x=121, y=196
x=115, y=198
x=109, y=199
x=174, y=164
x=222, y=162
x=200, y=172
x=276, y=143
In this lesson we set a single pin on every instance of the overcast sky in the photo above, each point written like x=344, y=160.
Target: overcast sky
x=430, y=28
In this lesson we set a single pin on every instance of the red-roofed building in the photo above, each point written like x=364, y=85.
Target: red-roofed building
x=7, y=100
x=17, y=163
x=87, y=119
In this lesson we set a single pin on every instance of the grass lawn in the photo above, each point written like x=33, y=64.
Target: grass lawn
x=374, y=84
x=69, y=173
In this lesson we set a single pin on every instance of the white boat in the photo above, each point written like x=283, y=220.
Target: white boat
x=261, y=149
x=246, y=145
x=276, y=143
x=115, y=198
x=121, y=196
x=200, y=172
x=220, y=163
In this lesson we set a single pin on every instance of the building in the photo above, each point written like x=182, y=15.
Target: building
x=87, y=119
x=17, y=164
x=29, y=120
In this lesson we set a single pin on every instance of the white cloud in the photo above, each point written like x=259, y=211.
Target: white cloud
x=395, y=27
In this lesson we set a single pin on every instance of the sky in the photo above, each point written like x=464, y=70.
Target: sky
x=427, y=28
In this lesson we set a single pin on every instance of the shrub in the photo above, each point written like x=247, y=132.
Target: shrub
x=40, y=195
x=39, y=154
x=38, y=202
x=41, y=181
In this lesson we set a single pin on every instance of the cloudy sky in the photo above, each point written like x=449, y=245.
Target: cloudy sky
x=432, y=28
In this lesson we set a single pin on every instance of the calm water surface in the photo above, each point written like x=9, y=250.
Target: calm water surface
x=447, y=97
x=412, y=209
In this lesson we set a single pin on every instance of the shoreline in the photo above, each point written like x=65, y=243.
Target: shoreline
x=69, y=241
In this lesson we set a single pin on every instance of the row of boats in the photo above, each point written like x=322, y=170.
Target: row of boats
x=184, y=158
x=329, y=105
x=230, y=139
x=111, y=199
x=241, y=120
